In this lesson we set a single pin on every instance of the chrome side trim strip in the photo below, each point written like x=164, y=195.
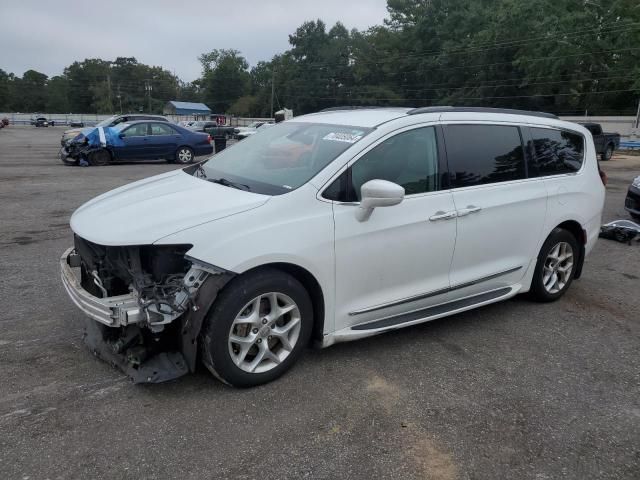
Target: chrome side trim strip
x=433, y=293
x=435, y=310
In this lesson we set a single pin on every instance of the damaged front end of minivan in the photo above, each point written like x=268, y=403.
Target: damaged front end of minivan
x=144, y=305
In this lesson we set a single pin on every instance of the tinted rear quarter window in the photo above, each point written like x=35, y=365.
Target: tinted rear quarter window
x=556, y=152
x=481, y=154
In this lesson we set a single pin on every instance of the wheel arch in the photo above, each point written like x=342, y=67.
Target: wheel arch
x=311, y=284
x=576, y=229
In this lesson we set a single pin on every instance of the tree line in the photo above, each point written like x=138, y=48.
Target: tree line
x=562, y=56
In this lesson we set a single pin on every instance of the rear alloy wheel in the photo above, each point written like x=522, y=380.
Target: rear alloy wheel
x=257, y=328
x=184, y=155
x=556, y=266
x=99, y=158
x=607, y=154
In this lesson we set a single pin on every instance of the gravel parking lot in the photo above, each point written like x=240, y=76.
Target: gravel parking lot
x=512, y=390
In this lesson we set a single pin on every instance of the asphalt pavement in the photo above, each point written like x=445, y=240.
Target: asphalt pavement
x=514, y=390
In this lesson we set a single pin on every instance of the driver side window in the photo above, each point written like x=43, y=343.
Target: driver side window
x=409, y=159
x=139, y=130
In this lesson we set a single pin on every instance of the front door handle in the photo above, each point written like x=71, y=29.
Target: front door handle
x=470, y=209
x=440, y=215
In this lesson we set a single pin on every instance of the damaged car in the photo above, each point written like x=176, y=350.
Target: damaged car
x=331, y=227
x=79, y=126
x=140, y=140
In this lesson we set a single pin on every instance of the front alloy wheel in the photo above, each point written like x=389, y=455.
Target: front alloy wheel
x=264, y=332
x=257, y=328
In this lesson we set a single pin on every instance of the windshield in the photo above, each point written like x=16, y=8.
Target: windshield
x=106, y=122
x=281, y=158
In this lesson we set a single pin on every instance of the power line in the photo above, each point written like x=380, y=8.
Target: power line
x=392, y=99
x=435, y=53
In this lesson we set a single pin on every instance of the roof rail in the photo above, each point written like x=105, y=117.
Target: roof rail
x=511, y=111
x=354, y=107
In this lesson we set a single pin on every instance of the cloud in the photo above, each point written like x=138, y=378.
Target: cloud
x=47, y=36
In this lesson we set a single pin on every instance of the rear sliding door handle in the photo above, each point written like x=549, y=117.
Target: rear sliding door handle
x=440, y=215
x=470, y=209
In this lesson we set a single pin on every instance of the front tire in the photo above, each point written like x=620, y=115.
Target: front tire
x=184, y=155
x=257, y=328
x=556, y=266
x=99, y=158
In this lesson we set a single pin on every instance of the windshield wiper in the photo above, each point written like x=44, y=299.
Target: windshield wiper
x=229, y=183
x=200, y=171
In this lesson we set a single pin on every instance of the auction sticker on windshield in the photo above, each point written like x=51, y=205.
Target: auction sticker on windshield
x=343, y=137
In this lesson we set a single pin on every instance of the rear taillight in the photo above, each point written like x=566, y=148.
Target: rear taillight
x=209, y=139
x=603, y=177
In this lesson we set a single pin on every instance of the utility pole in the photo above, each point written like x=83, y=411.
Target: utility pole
x=273, y=89
x=119, y=98
x=109, y=93
x=148, y=87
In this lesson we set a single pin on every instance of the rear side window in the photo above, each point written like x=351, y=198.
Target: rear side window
x=556, y=152
x=160, y=129
x=481, y=154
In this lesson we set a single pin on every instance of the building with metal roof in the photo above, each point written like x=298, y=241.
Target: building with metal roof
x=186, y=108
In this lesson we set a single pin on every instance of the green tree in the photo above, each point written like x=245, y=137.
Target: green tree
x=58, y=95
x=85, y=79
x=225, y=78
x=31, y=91
x=4, y=91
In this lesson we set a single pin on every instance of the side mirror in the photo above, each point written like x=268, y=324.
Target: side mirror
x=378, y=193
x=121, y=135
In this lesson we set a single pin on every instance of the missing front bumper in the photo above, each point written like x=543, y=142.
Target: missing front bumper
x=118, y=331
x=114, y=311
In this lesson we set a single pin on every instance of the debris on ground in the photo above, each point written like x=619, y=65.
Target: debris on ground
x=623, y=231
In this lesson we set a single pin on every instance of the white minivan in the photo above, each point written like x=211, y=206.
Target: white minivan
x=331, y=227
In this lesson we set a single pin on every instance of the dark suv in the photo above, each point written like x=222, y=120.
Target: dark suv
x=112, y=122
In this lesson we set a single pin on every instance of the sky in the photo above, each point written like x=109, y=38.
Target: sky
x=49, y=35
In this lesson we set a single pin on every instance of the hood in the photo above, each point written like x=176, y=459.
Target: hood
x=74, y=132
x=145, y=211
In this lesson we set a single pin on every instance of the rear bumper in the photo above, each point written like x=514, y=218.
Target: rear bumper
x=203, y=149
x=115, y=311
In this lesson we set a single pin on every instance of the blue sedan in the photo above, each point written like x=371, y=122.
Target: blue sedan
x=141, y=140
x=147, y=140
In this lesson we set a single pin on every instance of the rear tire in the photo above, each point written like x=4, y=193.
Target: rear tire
x=99, y=158
x=556, y=266
x=245, y=340
x=184, y=155
x=607, y=154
